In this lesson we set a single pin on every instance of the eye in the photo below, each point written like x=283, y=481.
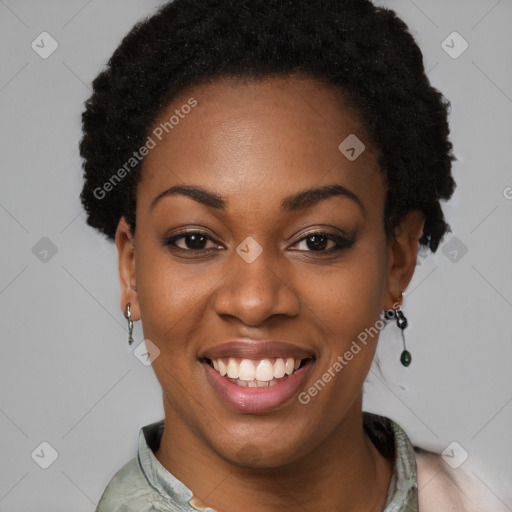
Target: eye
x=321, y=241
x=191, y=241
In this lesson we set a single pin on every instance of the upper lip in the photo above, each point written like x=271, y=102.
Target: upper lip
x=256, y=349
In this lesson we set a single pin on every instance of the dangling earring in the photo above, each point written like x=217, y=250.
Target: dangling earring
x=128, y=316
x=401, y=322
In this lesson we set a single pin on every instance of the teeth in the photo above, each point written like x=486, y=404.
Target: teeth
x=246, y=370
x=232, y=369
x=279, y=368
x=264, y=370
x=254, y=383
x=254, y=373
x=222, y=367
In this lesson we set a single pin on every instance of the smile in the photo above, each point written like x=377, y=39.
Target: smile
x=255, y=377
x=253, y=373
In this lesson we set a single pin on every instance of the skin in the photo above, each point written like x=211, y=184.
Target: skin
x=255, y=143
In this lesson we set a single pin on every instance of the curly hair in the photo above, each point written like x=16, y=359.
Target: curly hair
x=363, y=51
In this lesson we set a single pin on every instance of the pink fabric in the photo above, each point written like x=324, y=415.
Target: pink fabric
x=443, y=489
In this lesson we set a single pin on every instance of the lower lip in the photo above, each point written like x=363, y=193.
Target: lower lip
x=256, y=400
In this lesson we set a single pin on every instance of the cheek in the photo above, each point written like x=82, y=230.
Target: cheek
x=346, y=304
x=171, y=301
x=348, y=297
x=169, y=297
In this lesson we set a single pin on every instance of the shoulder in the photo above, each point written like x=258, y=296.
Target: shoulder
x=127, y=491
x=439, y=488
x=443, y=489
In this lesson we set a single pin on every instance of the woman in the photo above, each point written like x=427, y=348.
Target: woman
x=268, y=171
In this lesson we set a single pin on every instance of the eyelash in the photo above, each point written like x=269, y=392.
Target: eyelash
x=341, y=242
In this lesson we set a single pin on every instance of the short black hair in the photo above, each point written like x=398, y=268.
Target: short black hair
x=364, y=51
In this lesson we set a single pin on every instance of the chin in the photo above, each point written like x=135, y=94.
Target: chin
x=270, y=451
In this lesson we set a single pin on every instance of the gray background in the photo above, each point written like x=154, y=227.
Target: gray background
x=67, y=375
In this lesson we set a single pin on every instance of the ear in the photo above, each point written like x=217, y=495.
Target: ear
x=403, y=251
x=125, y=243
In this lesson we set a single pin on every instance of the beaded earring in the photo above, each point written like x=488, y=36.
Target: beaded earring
x=128, y=316
x=401, y=322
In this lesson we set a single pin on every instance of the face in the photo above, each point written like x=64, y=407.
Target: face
x=260, y=254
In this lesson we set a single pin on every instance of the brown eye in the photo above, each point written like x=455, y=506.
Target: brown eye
x=317, y=242
x=190, y=241
x=323, y=242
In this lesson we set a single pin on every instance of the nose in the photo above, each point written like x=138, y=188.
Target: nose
x=253, y=292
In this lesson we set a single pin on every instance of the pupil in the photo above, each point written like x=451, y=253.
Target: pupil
x=317, y=242
x=196, y=241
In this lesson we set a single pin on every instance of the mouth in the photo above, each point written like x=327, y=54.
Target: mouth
x=256, y=373
x=254, y=376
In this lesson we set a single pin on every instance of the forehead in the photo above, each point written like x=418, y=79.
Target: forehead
x=261, y=139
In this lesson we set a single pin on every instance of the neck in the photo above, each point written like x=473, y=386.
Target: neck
x=345, y=469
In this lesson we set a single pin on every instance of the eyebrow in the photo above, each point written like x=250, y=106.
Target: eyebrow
x=296, y=202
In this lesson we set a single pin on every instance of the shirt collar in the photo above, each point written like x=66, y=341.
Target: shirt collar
x=391, y=440
x=388, y=437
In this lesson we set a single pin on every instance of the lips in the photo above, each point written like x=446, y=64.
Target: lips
x=255, y=377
